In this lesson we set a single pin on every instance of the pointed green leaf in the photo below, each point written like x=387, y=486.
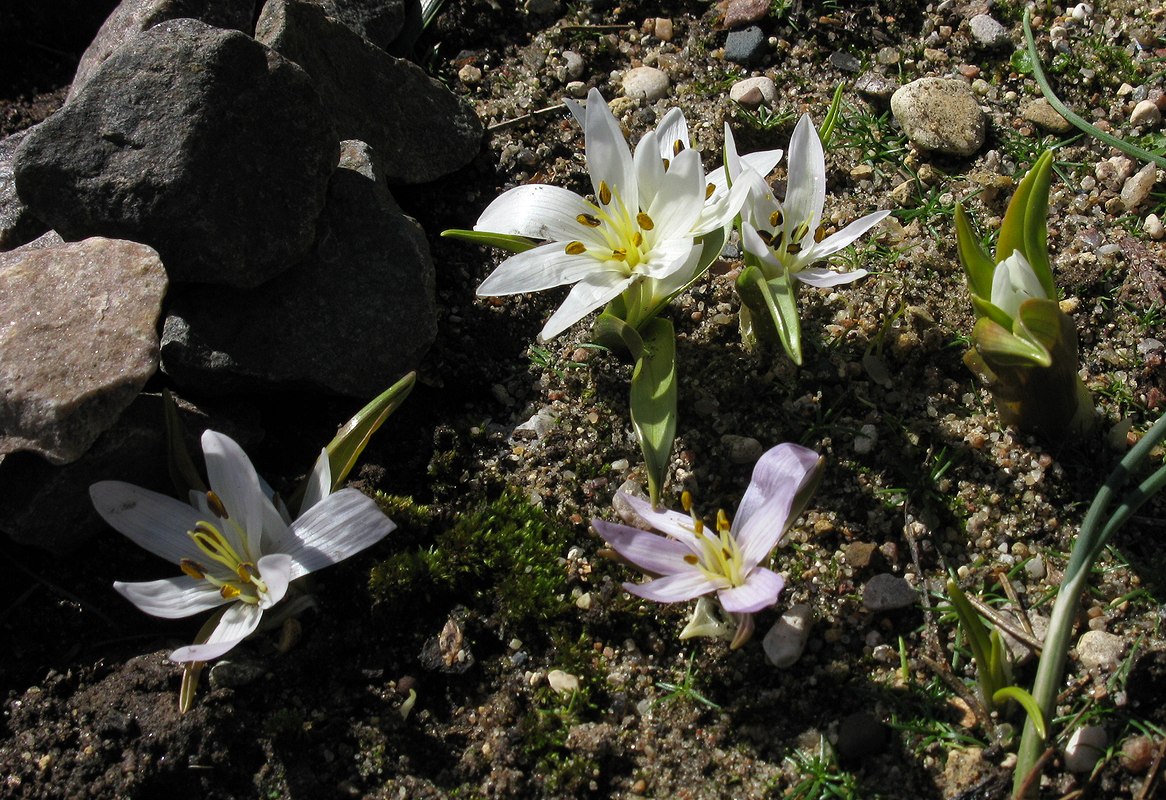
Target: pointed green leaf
x=183, y=474
x=653, y=402
x=775, y=299
x=978, y=636
x=978, y=266
x=1012, y=228
x=1027, y=702
x=503, y=241
x=1043, y=322
x=1036, y=230
x=613, y=333
x=985, y=308
x=999, y=346
x=826, y=131
x=351, y=439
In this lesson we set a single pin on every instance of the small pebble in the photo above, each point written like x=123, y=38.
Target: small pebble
x=1137, y=187
x=645, y=83
x=469, y=75
x=745, y=46
x=1085, y=748
x=786, y=640
x=1153, y=227
x=742, y=449
x=887, y=592
x=1146, y=114
x=662, y=29
x=1100, y=650
x=754, y=92
x=1035, y=567
x=1137, y=753
x=562, y=682
x=988, y=32
x=867, y=438
x=574, y=64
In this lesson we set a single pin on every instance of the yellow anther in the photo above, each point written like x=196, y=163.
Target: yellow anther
x=691, y=559
x=686, y=501
x=794, y=249
x=723, y=524
x=644, y=221
x=619, y=254
x=588, y=220
x=677, y=146
x=576, y=249
x=192, y=568
x=775, y=219
x=637, y=238
x=216, y=505
x=698, y=526
x=229, y=592
x=604, y=193
x=820, y=234
x=667, y=163
x=247, y=572
x=708, y=191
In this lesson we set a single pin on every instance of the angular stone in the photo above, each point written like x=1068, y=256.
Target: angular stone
x=887, y=592
x=1100, y=650
x=197, y=141
x=132, y=17
x=378, y=21
x=1041, y=113
x=745, y=45
x=79, y=341
x=418, y=127
x=352, y=318
x=18, y=225
x=940, y=114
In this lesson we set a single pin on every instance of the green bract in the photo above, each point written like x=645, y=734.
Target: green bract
x=1024, y=346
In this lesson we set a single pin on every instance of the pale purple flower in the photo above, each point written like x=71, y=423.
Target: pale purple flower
x=232, y=544
x=690, y=561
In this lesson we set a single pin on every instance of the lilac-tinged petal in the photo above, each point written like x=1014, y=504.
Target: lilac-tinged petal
x=608, y=158
x=592, y=292
x=275, y=570
x=675, y=588
x=825, y=278
x=848, y=235
x=171, y=598
x=541, y=268
x=235, y=481
x=536, y=210
x=673, y=523
x=239, y=622
x=345, y=523
x=650, y=552
x=764, y=514
x=760, y=590
x=806, y=192
x=150, y=520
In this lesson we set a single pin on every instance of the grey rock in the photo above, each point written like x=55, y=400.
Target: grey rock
x=940, y=114
x=132, y=17
x=742, y=449
x=988, y=32
x=18, y=225
x=351, y=318
x=844, y=61
x=1042, y=114
x=197, y=141
x=887, y=592
x=754, y=92
x=876, y=86
x=79, y=341
x=1100, y=650
x=745, y=45
x=379, y=22
x=420, y=129
x=786, y=640
x=645, y=83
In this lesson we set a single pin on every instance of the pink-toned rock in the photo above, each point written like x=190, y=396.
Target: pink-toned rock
x=735, y=13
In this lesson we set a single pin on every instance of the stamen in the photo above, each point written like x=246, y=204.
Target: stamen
x=644, y=221
x=766, y=237
x=576, y=249
x=794, y=249
x=637, y=238
x=691, y=559
x=666, y=164
x=725, y=554
x=247, y=572
x=192, y=568
x=723, y=521
x=800, y=233
x=604, y=193
x=619, y=254
x=820, y=234
x=686, y=501
x=677, y=146
x=708, y=191
x=698, y=526
x=229, y=592
x=216, y=505
x=775, y=219
x=588, y=220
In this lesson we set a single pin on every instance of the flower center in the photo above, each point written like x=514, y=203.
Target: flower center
x=622, y=232
x=236, y=577
x=720, y=559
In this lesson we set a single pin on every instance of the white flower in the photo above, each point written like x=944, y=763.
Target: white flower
x=1013, y=282
x=787, y=236
x=232, y=545
x=648, y=213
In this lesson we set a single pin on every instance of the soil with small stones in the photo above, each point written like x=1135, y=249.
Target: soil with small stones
x=921, y=478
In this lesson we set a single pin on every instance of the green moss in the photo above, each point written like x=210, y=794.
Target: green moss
x=505, y=553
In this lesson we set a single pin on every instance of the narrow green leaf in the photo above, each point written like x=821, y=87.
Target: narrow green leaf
x=1036, y=227
x=1027, y=702
x=503, y=241
x=985, y=308
x=1012, y=228
x=978, y=636
x=978, y=266
x=826, y=131
x=351, y=439
x=183, y=473
x=1000, y=346
x=653, y=401
x=775, y=299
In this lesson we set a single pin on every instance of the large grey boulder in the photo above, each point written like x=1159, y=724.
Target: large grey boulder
x=18, y=225
x=381, y=22
x=940, y=114
x=132, y=17
x=78, y=342
x=351, y=319
x=195, y=140
x=419, y=128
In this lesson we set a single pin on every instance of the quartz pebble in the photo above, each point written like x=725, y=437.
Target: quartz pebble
x=988, y=32
x=562, y=682
x=1137, y=187
x=1100, y=650
x=1146, y=114
x=1153, y=227
x=786, y=640
x=646, y=83
x=1085, y=748
x=754, y=92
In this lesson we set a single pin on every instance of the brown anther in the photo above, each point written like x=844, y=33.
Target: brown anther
x=216, y=505
x=604, y=193
x=619, y=254
x=644, y=221
x=247, y=572
x=726, y=554
x=775, y=219
x=192, y=568
x=588, y=220
x=677, y=146
x=575, y=249
x=666, y=164
x=766, y=237
x=637, y=238
x=794, y=249
x=708, y=191
x=691, y=559
x=820, y=234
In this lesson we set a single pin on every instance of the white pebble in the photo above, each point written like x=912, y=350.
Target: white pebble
x=1137, y=188
x=1146, y=114
x=562, y=682
x=1153, y=227
x=1085, y=748
x=645, y=83
x=786, y=640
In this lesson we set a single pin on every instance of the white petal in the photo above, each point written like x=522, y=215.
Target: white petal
x=150, y=520
x=759, y=591
x=593, y=292
x=720, y=209
x=764, y=514
x=234, y=480
x=171, y=598
x=654, y=554
x=319, y=482
x=756, y=246
x=1013, y=282
x=536, y=210
x=673, y=523
x=672, y=128
x=660, y=289
x=825, y=278
x=679, y=200
x=806, y=192
x=275, y=570
x=541, y=268
x=762, y=162
x=345, y=523
x=673, y=588
x=649, y=168
x=239, y=622
x=837, y=241
x=578, y=111
x=669, y=257
x=608, y=158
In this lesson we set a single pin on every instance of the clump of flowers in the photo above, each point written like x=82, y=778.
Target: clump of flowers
x=686, y=560
x=1024, y=347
